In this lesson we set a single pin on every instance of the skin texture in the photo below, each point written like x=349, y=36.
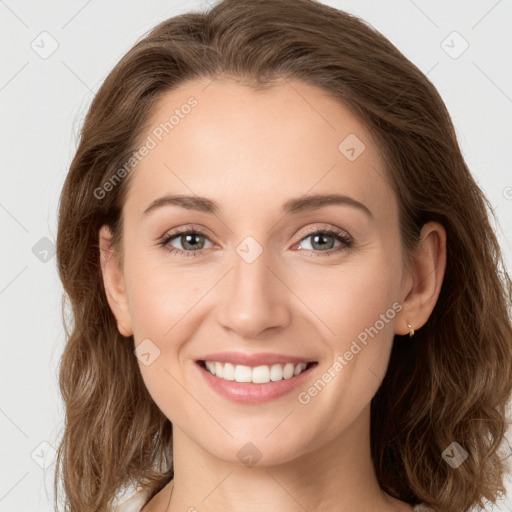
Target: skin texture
x=250, y=152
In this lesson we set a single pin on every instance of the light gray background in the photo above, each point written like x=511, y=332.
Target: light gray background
x=43, y=100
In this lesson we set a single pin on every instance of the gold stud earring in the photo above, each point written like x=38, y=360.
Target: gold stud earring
x=411, y=333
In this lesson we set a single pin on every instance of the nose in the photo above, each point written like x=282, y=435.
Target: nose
x=254, y=299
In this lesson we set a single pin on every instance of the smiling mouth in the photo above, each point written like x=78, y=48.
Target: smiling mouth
x=262, y=374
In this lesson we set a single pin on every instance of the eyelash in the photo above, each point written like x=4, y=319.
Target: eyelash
x=341, y=236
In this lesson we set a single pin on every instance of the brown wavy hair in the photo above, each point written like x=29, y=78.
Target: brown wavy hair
x=451, y=382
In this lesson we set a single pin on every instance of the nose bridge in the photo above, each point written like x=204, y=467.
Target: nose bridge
x=251, y=273
x=255, y=298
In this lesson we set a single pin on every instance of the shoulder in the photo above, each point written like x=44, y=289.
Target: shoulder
x=132, y=503
x=422, y=508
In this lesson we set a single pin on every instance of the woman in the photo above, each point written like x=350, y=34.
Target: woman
x=285, y=287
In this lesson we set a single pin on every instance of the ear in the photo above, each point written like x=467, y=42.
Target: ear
x=423, y=285
x=113, y=281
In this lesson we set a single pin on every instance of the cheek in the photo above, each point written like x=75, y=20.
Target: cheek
x=359, y=311
x=349, y=298
x=356, y=306
x=164, y=318
x=161, y=297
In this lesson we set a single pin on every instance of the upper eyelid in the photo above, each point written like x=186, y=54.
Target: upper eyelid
x=172, y=233
x=204, y=230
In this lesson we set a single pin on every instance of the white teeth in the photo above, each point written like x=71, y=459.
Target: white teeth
x=276, y=372
x=261, y=375
x=257, y=375
x=242, y=373
x=288, y=371
x=229, y=372
x=219, y=370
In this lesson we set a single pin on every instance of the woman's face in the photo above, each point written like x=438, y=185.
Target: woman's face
x=256, y=283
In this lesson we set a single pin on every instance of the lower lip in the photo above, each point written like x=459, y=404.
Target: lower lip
x=250, y=393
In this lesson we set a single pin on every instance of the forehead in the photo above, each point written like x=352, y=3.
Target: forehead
x=223, y=139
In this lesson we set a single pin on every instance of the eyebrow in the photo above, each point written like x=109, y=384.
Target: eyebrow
x=293, y=206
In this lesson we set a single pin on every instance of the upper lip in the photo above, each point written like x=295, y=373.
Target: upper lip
x=262, y=358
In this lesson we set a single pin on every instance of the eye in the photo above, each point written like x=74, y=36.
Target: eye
x=325, y=239
x=192, y=242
